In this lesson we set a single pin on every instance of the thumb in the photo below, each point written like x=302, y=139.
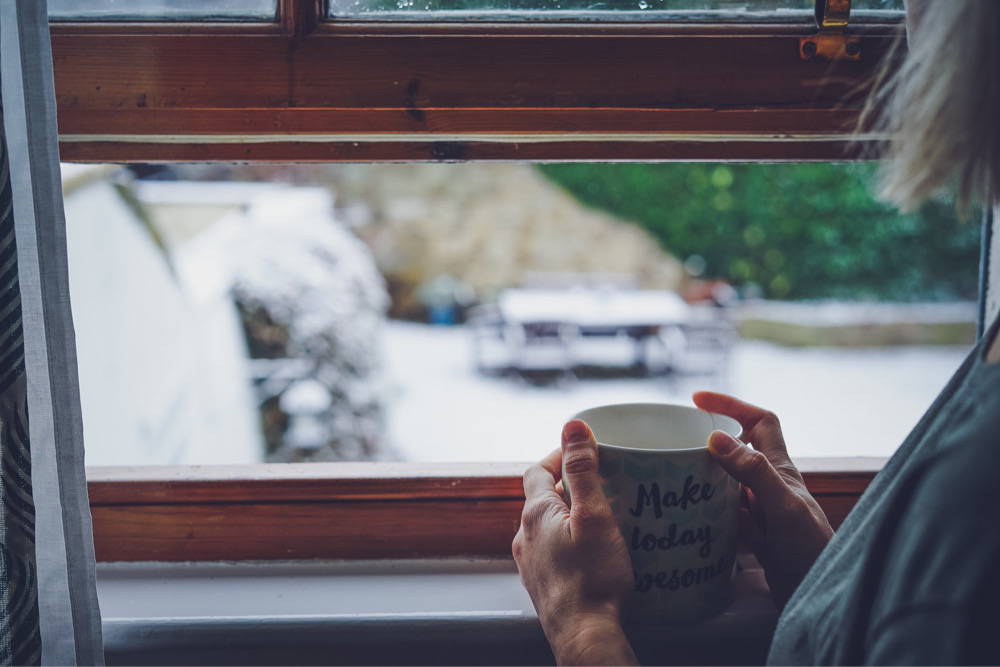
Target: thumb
x=579, y=457
x=747, y=465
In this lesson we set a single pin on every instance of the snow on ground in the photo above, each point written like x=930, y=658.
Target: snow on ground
x=832, y=402
x=841, y=313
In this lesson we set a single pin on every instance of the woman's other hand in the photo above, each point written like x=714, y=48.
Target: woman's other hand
x=781, y=522
x=573, y=560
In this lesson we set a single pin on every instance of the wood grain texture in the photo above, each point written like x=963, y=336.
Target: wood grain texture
x=525, y=122
x=280, y=531
x=430, y=93
x=410, y=71
x=299, y=482
x=343, y=511
x=465, y=151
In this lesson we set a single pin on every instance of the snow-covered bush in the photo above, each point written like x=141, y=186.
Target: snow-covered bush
x=312, y=302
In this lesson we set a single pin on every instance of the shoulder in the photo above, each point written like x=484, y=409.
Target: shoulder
x=947, y=512
x=959, y=484
x=938, y=571
x=939, y=578
x=934, y=634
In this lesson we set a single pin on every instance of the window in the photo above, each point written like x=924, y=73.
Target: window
x=435, y=313
x=162, y=10
x=304, y=89
x=360, y=91
x=613, y=10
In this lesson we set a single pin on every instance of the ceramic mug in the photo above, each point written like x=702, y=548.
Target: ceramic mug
x=676, y=507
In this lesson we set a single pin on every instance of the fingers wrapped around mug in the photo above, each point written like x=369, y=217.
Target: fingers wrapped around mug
x=747, y=465
x=580, y=477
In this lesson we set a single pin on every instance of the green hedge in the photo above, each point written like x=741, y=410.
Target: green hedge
x=794, y=230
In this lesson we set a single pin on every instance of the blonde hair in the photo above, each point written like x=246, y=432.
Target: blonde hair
x=941, y=107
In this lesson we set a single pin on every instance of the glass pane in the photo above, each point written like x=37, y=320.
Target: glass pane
x=249, y=313
x=672, y=10
x=163, y=10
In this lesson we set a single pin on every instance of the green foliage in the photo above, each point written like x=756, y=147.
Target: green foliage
x=795, y=230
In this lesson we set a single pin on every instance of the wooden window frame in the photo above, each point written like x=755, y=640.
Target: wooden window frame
x=346, y=510
x=304, y=90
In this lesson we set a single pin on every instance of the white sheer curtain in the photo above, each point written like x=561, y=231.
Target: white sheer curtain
x=47, y=579
x=989, y=292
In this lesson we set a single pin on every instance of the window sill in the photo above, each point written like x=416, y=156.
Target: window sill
x=346, y=511
x=454, y=611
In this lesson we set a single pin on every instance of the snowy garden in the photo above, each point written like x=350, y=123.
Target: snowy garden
x=831, y=401
x=359, y=319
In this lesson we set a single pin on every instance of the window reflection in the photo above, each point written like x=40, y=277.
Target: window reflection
x=158, y=10
x=698, y=10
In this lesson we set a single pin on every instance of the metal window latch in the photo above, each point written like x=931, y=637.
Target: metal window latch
x=831, y=41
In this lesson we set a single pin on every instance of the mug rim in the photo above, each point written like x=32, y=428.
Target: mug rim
x=642, y=404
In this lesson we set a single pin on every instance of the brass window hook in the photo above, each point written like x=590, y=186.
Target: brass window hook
x=831, y=41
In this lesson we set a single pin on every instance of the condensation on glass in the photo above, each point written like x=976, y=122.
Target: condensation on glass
x=628, y=10
x=163, y=10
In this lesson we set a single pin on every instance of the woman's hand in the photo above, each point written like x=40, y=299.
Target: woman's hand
x=782, y=523
x=573, y=560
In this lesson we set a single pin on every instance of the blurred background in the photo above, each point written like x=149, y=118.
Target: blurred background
x=237, y=314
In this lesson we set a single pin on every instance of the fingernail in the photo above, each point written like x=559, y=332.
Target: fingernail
x=721, y=442
x=575, y=431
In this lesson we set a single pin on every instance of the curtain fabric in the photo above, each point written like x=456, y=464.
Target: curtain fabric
x=48, y=595
x=20, y=641
x=989, y=270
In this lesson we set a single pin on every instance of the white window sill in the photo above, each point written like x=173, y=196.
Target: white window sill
x=373, y=612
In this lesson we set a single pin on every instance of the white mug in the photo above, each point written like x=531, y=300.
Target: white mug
x=677, y=509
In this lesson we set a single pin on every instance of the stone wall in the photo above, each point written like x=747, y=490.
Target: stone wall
x=490, y=227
